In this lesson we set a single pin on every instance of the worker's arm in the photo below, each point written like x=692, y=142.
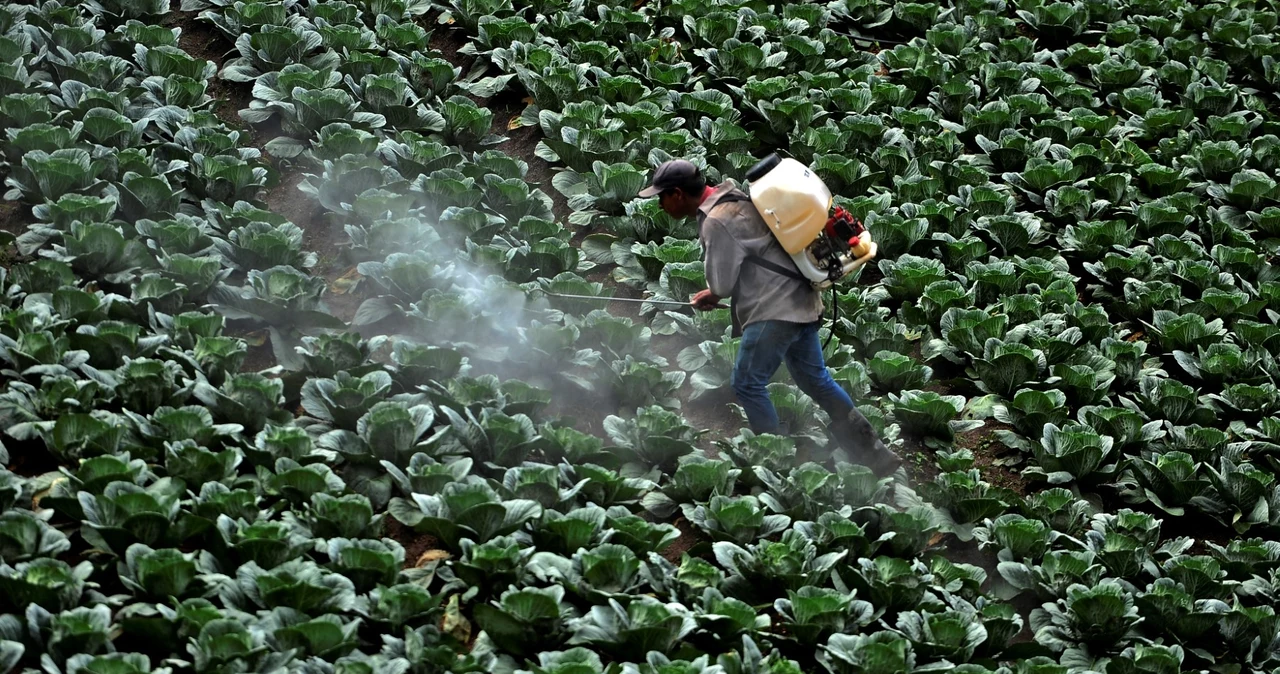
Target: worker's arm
x=723, y=259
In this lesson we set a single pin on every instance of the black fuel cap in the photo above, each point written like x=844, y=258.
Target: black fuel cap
x=763, y=166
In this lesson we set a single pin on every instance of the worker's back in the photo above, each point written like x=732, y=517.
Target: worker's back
x=730, y=229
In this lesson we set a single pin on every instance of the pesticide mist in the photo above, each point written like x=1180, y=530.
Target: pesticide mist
x=487, y=302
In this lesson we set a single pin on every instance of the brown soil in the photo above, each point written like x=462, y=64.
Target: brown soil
x=448, y=40
x=986, y=450
x=918, y=461
x=585, y=418
x=582, y=410
x=871, y=275
x=14, y=217
x=936, y=386
x=712, y=413
x=232, y=97
x=419, y=549
x=201, y=40
x=198, y=38
x=689, y=537
x=1218, y=535
x=30, y=459
x=259, y=356
x=286, y=199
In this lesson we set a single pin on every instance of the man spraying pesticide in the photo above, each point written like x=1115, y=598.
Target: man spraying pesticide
x=771, y=253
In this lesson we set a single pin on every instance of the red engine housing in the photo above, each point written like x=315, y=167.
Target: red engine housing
x=843, y=227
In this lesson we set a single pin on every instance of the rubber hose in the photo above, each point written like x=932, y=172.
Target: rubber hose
x=835, y=311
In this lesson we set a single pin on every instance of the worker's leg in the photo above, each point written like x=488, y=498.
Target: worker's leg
x=850, y=427
x=808, y=369
x=760, y=354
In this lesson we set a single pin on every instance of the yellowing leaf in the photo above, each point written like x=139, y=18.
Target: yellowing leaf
x=454, y=623
x=343, y=284
x=432, y=556
x=38, y=496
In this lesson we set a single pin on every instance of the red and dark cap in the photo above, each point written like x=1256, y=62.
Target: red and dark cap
x=669, y=174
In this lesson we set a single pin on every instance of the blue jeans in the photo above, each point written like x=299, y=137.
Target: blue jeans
x=767, y=344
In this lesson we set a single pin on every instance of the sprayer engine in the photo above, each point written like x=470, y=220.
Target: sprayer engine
x=842, y=240
x=825, y=243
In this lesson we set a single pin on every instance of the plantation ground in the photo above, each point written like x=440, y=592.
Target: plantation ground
x=293, y=400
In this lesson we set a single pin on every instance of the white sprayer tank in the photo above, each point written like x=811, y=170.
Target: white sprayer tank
x=794, y=202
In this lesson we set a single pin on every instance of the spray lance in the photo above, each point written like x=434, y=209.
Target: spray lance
x=667, y=303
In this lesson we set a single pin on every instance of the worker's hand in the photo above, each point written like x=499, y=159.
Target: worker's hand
x=704, y=300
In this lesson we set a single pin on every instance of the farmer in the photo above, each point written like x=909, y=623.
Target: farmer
x=775, y=310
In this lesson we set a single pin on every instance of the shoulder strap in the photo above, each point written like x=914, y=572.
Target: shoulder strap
x=737, y=196
x=777, y=268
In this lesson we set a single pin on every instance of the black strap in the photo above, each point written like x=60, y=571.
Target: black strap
x=776, y=268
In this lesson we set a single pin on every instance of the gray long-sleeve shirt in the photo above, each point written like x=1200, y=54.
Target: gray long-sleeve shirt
x=728, y=235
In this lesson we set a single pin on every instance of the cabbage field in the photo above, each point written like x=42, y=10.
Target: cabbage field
x=289, y=384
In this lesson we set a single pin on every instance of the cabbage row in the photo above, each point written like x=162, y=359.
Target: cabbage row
x=1074, y=231
x=1075, y=222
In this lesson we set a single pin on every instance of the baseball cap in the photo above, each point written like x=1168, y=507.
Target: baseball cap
x=669, y=174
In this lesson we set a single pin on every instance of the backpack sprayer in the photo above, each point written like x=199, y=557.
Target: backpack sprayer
x=826, y=244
